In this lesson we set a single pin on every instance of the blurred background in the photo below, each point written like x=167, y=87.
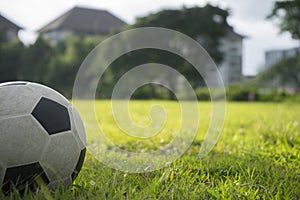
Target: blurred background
x=255, y=44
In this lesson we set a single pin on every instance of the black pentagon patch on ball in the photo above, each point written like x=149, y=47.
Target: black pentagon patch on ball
x=79, y=164
x=53, y=116
x=23, y=176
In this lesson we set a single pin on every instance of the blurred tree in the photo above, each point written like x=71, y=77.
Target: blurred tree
x=56, y=66
x=285, y=73
x=207, y=25
x=288, y=12
x=36, y=61
x=69, y=55
x=11, y=61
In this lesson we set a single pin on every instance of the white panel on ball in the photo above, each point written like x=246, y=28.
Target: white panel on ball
x=63, y=153
x=78, y=127
x=22, y=141
x=16, y=100
x=49, y=93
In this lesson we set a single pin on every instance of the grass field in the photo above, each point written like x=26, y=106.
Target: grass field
x=256, y=157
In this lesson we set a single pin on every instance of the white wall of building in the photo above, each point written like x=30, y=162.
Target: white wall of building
x=274, y=56
x=231, y=65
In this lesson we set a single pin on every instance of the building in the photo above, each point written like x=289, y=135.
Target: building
x=274, y=56
x=82, y=22
x=9, y=29
x=231, y=66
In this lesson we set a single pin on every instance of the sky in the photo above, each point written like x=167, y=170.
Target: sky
x=248, y=17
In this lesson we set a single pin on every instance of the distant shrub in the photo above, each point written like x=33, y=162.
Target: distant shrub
x=241, y=93
x=292, y=98
x=151, y=92
x=248, y=93
x=270, y=96
x=202, y=94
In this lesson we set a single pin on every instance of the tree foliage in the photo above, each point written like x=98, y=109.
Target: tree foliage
x=11, y=61
x=41, y=62
x=285, y=73
x=56, y=66
x=288, y=12
x=69, y=55
x=206, y=24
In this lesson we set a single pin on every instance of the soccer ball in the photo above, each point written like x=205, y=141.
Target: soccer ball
x=41, y=137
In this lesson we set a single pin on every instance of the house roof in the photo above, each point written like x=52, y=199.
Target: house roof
x=85, y=20
x=8, y=24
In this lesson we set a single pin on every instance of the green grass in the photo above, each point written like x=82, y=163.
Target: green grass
x=256, y=157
